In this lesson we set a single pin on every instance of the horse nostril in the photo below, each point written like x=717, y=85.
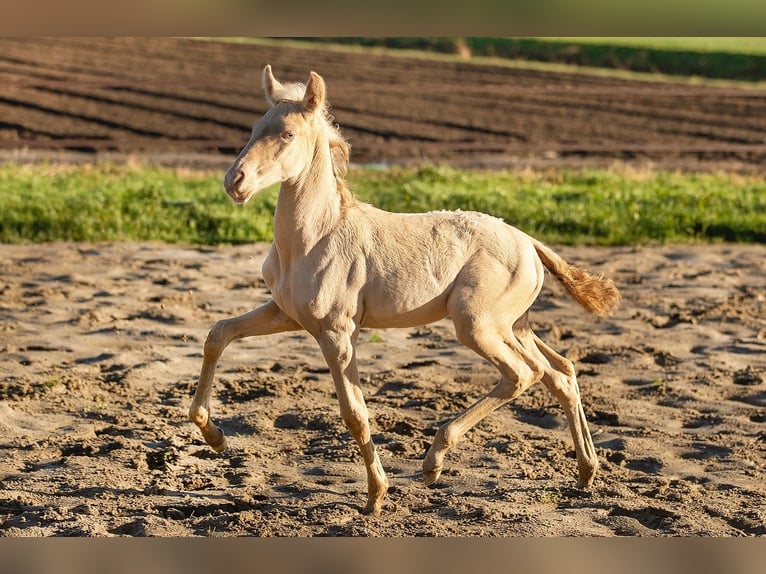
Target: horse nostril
x=233, y=180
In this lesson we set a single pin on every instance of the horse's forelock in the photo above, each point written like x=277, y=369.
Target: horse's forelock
x=291, y=92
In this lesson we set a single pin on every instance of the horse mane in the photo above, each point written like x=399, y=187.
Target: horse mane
x=340, y=149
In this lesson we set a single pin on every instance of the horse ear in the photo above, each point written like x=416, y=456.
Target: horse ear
x=270, y=85
x=315, y=93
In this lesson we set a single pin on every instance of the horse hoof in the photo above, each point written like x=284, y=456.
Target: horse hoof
x=585, y=483
x=587, y=475
x=220, y=446
x=217, y=441
x=372, y=508
x=431, y=476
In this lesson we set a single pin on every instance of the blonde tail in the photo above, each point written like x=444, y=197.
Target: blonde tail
x=595, y=293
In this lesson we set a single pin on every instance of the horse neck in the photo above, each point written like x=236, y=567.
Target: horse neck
x=309, y=206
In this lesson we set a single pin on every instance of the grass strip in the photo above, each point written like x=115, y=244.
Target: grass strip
x=40, y=203
x=737, y=59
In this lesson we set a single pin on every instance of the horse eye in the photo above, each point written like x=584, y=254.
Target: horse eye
x=288, y=135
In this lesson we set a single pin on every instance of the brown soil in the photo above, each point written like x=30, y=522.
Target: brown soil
x=101, y=344
x=178, y=100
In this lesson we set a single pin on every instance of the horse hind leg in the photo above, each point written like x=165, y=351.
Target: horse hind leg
x=519, y=370
x=559, y=378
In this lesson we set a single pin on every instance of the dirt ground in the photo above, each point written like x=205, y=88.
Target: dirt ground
x=101, y=343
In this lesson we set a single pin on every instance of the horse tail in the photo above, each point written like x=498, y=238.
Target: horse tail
x=596, y=293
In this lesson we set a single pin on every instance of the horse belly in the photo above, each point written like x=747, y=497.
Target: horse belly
x=387, y=305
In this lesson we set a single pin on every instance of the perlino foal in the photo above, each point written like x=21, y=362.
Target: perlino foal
x=337, y=265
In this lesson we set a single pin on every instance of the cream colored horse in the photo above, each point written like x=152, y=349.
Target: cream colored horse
x=337, y=265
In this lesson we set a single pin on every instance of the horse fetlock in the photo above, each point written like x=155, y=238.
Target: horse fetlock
x=432, y=464
x=212, y=434
x=587, y=473
x=199, y=415
x=446, y=437
x=378, y=489
x=586, y=482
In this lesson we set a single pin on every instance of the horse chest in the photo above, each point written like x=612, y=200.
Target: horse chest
x=309, y=293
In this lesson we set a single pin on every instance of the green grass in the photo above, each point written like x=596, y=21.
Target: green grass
x=724, y=58
x=719, y=58
x=50, y=203
x=749, y=46
x=753, y=46
x=599, y=207
x=587, y=206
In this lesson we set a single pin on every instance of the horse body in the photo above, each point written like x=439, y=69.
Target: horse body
x=364, y=268
x=337, y=265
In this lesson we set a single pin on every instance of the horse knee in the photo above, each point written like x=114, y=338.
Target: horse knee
x=216, y=340
x=198, y=415
x=338, y=348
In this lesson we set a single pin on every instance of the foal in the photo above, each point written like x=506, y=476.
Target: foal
x=337, y=265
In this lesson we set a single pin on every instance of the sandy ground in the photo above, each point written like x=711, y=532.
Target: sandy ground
x=101, y=345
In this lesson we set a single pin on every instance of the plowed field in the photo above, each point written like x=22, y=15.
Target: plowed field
x=172, y=99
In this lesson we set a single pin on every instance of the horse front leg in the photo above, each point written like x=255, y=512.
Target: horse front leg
x=264, y=320
x=339, y=350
